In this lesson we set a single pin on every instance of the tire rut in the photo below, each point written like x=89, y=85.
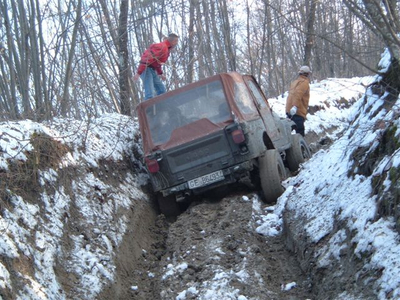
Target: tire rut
x=214, y=252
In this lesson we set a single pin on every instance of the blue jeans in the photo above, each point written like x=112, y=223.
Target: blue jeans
x=152, y=82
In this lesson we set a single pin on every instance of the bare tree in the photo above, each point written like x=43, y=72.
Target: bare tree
x=65, y=100
x=191, y=42
x=226, y=31
x=310, y=38
x=123, y=59
x=382, y=17
x=79, y=66
x=8, y=58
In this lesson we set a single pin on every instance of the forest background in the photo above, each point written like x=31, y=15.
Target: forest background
x=76, y=58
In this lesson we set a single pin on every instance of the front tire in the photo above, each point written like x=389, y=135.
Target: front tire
x=298, y=153
x=272, y=173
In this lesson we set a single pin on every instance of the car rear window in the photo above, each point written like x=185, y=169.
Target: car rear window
x=207, y=101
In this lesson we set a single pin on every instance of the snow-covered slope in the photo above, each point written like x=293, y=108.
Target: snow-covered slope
x=330, y=103
x=61, y=224
x=333, y=209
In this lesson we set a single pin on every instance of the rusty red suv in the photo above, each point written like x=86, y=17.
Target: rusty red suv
x=215, y=132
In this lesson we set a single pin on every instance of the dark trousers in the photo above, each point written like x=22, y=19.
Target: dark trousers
x=299, y=120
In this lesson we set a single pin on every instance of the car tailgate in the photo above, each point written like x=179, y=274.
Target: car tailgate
x=213, y=152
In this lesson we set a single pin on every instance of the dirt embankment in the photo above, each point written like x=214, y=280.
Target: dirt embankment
x=137, y=259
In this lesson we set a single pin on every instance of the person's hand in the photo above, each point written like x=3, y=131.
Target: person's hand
x=136, y=77
x=163, y=77
x=293, y=110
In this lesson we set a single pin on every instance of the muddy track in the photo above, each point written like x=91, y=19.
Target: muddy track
x=137, y=260
x=212, y=251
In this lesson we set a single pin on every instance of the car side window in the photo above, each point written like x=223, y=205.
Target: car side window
x=243, y=99
x=257, y=94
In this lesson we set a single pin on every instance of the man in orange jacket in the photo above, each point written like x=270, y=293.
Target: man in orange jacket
x=150, y=70
x=297, y=101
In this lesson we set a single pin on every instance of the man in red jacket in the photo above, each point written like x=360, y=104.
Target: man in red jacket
x=150, y=70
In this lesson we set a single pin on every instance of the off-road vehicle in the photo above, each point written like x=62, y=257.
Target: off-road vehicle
x=216, y=132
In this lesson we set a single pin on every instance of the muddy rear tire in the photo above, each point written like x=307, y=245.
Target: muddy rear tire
x=298, y=153
x=168, y=205
x=272, y=173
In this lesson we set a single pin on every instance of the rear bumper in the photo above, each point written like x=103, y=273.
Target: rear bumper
x=231, y=174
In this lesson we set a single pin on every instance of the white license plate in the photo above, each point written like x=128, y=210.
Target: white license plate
x=206, y=179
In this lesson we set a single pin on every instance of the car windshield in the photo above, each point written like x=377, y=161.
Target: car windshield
x=207, y=101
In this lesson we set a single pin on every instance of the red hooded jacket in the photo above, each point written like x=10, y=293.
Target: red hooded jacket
x=155, y=56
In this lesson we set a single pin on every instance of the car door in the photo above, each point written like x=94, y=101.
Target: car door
x=264, y=109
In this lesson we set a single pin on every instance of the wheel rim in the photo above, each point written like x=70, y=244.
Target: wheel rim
x=304, y=152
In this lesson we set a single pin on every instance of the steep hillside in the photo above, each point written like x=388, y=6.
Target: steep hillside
x=70, y=192
x=341, y=212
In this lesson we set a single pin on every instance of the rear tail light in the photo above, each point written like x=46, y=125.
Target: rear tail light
x=238, y=136
x=152, y=165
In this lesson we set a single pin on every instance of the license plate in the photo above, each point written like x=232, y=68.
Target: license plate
x=206, y=179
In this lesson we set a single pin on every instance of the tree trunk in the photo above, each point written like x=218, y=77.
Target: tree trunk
x=9, y=59
x=310, y=36
x=189, y=78
x=65, y=101
x=123, y=59
x=249, y=48
x=226, y=31
x=207, y=40
x=35, y=58
x=22, y=60
x=47, y=109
